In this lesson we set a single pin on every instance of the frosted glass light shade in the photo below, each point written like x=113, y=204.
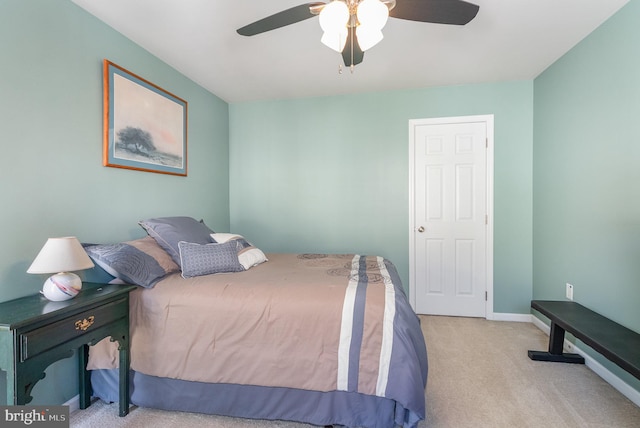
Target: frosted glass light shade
x=368, y=37
x=334, y=16
x=335, y=40
x=61, y=255
x=333, y=21
x=372, y=14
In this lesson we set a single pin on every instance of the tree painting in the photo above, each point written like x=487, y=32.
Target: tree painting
x=146, y=125
x=137, y=144
x=135, y=140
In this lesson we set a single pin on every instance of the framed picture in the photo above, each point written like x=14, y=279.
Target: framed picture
x=145, y=127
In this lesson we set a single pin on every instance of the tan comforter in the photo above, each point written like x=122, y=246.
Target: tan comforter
x=285, y=323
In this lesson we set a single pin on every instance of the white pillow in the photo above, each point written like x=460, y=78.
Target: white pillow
x=248, y=255
x=221, y=238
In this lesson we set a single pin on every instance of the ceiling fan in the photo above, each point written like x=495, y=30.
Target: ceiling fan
x=353, y=26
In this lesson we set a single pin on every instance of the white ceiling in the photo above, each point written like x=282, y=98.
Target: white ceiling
x=508, y=40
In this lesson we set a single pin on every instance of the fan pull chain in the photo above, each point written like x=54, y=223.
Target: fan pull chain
x=352, y=30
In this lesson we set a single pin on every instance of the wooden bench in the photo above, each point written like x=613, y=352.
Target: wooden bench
x=616, y=342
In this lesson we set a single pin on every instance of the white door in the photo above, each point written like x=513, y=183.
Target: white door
x=450, y=215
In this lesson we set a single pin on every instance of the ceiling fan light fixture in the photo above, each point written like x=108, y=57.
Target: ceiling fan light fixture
x=372, y=14
x=333, y=21
x=335, y=40
x=334, y=16
x=368, y=37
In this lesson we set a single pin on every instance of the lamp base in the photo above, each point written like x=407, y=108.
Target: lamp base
x=62, y=286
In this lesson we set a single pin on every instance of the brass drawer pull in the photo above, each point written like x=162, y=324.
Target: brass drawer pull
x=85, y=323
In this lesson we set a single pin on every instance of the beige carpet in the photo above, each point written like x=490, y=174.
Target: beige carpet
x=479, y=376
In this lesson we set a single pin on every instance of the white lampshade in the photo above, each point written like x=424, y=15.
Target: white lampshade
x=333, y=21
x=61, y=255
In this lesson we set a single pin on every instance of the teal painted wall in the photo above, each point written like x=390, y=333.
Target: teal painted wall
x=330, y=174
x=587, y=174
x=52, y=182
x=324, y=174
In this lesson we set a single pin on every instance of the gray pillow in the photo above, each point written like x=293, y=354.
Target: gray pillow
x=206, y=259
x=140, y=262
x=168, y=231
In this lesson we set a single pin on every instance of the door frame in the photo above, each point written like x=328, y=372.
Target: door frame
x=413, y=123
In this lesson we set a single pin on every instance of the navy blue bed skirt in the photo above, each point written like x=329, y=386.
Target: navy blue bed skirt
x=349, y=409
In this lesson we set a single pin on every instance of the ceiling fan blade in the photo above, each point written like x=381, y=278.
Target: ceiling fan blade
x=280, y=19
x=456, y=12
x=352, y=55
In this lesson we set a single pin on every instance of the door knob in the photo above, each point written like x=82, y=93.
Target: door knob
x=421, y=229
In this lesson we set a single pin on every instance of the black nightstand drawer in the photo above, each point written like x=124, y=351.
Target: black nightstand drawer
x=41, y=339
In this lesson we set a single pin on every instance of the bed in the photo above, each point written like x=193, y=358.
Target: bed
x=325, y=339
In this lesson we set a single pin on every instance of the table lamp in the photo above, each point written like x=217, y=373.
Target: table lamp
x=60, y=256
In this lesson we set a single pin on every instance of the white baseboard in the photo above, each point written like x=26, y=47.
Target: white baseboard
x=619, y=384
x=541, y=325
x=509, y=317
x=74, y=404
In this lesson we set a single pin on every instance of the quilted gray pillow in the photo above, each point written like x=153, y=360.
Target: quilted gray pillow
x=168, y=231
x=206, y=259
x=141, y=262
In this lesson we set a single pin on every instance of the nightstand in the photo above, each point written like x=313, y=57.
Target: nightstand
x=35, y=333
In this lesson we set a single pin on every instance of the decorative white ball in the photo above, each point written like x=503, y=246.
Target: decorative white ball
x=62, y=286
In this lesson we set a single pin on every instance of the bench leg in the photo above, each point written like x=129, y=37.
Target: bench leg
x=556, y=344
